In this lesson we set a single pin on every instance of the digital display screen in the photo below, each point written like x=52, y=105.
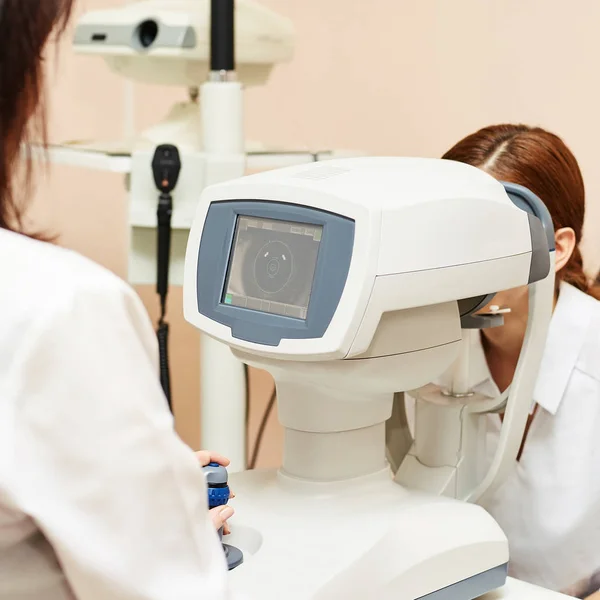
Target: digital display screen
x=272, y=266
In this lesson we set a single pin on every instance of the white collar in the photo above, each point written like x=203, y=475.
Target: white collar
x=566, y=337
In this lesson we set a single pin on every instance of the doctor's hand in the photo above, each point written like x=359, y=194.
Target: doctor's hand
x=220, y=514
x=205, y=458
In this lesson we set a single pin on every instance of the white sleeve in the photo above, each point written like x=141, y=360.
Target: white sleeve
x=100, y=469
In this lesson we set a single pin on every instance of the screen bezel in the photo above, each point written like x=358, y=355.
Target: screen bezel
x=331, y=272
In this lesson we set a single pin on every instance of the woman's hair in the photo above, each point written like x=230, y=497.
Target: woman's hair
x=540, y=161
x=25, y=29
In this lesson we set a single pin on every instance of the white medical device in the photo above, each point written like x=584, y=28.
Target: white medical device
x=167, y=42
x=177, y=43
x=349, y=281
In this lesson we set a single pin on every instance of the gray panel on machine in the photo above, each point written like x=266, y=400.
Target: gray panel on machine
x=148, y=35
x=472, y=588
x=272, y=270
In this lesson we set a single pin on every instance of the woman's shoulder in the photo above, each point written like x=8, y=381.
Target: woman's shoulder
x=55, y=301
x=582, y=321
x=589, y=359
x=40, y=278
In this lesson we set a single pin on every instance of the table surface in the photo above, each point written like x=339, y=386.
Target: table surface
x=517, y=590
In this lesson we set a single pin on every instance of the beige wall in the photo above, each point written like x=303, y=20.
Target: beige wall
x=401, y=77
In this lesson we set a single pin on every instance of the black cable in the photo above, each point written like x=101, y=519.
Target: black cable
x=262, y=428
x=163, y=259
x=162, y=334
x=166, y=166
x=247, y=384
x=247, y=423
x=164, y=213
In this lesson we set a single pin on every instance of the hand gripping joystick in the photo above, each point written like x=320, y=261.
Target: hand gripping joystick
x=218, y=495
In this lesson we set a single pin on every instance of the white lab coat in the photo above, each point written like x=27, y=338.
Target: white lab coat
x=99, y=499
x=550, y=506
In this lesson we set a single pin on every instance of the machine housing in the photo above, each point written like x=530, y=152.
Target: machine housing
x=345, y=281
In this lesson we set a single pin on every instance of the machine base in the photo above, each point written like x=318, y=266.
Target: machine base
x=364, y=538
x=234, y=556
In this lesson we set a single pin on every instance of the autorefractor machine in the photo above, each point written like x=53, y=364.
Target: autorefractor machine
x=350, y=281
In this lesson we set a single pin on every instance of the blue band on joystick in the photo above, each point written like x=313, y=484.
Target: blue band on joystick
x=218, y=496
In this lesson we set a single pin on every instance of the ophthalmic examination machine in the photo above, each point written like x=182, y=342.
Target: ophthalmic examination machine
x=350, y=281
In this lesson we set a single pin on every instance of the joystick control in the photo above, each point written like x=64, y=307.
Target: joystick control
x=218, y=495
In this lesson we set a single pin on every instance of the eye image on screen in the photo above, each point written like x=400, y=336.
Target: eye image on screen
x=272, y=266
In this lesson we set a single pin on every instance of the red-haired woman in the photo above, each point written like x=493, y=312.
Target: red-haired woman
x=550, y=506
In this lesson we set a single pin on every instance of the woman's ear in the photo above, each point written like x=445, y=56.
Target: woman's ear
x=565, y=245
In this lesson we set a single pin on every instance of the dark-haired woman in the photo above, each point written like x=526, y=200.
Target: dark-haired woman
x=99, y=499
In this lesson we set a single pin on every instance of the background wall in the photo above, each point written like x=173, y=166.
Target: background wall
x=388, y=77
